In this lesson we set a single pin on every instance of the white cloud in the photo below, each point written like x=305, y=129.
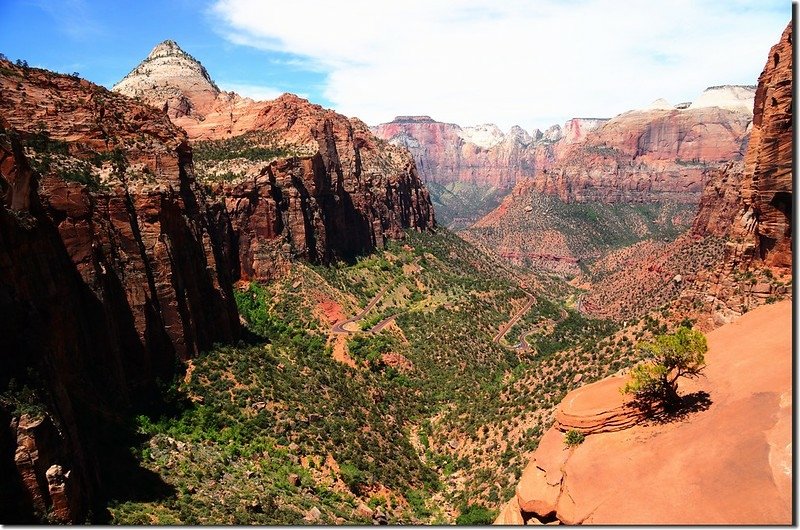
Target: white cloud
x=256, y=92
x=512, y=62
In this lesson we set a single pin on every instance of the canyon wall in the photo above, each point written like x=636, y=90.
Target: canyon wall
x=745, y=382
x=765, y=223
x=113, y=268
x=118, y=261
x=656, y=154
x=337, y=192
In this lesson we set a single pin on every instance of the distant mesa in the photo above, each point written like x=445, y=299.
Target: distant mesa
x=732, y=97
x=413, y=119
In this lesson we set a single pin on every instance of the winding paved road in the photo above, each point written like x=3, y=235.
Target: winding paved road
x=514, y=319
x=523, y=343
x=339, y=329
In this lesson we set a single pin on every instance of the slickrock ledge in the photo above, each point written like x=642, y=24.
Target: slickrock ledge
x=598, y=407
x=728, y=461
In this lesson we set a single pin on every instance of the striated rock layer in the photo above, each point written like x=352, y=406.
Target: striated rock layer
x=598, y=407
x=341, y=192
x=656, y=154
x=112, y=266
x=746, y=206
x=116, y=262
x=766, y=188
x=729, y=462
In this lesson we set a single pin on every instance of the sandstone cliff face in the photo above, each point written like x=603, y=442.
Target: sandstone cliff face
x=766, y=188
x=729, y=461
x=112, y=264
x=648, y=155
x=446, y=153
x=344, y=192
x=660, y=153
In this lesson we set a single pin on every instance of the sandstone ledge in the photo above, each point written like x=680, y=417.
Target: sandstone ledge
x=598, y=407
x=728, y=463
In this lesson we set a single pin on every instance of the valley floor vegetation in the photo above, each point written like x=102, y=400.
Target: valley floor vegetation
x=425, y=421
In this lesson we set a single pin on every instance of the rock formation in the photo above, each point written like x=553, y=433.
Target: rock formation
x=728, y=461
x=766, y=187
x=113, y=266
x=648, y=155
x=660, y=153
x=116, y=261
x=745, y=205
x=176, y=82
x=467, y=169
x=339, y=192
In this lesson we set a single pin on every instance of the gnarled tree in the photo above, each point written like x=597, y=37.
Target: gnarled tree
x=668, y=357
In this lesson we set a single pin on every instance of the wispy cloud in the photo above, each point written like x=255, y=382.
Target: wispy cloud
x=256, y=92
x=516, y=61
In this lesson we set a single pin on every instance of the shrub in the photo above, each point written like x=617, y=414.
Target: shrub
x=669, y=356
x=573, y=438
x=476, y=515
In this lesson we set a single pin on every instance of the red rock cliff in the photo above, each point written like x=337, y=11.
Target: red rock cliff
x=647, y=155
x=766, y=187
x=447, y=153
x=111, y=265
x=345, y=193
x=730, y=462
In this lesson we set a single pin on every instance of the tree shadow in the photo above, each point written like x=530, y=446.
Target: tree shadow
x=675, y=411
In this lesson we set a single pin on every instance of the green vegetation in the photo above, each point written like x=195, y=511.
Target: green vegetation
x=587, y=230
x=260, y=146
x=668, y=357
x=51, y=156
x=231, y=158
x=458, y=205
x=574, y=330
x=573, y=438
x=475, y=515
x=263, y=431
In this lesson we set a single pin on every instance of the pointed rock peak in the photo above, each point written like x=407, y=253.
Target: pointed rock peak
x=659, y=104
x=168, y=47
x=518, y=134
x=171, y=79
x=552, y=134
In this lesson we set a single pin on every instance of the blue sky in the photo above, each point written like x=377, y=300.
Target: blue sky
x=525, y=62
x=104, y=40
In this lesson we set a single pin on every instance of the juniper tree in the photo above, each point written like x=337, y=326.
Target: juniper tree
x=668, y=357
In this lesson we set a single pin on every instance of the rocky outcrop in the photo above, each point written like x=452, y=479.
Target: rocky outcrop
x=719, y=203
x=112, y=266
x=48, y=486
x=341, y=192
x=765, y=223
x=598, y=407
x=648, y=155
x=660, y=153
x=727, y=461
